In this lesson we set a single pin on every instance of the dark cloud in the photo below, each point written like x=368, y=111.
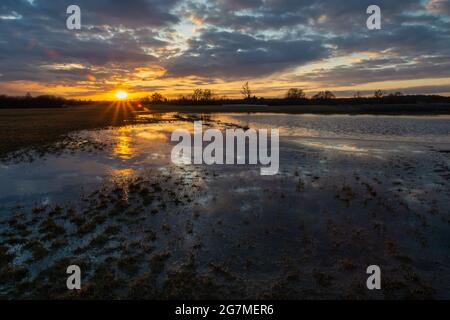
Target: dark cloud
x=132, y=13
x=377, y=70
x=411, y=29
x=329, y=15
x=113, y=33
x=227, y=55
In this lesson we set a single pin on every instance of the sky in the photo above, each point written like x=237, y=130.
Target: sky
x=174, y=46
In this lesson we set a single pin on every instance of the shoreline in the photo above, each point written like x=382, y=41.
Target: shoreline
x=400, y=109
x=338, y=109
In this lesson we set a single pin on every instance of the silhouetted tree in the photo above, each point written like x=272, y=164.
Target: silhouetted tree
x=157, y=97
x=379, y=94
x=197, y=95
x=207, y=95
x=246, y=92
x=202, y=95
x=324, y=95
x=295, y=94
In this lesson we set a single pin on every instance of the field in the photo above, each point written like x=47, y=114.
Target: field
x=40, y=128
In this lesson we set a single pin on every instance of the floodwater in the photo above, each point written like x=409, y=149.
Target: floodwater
x=352, y=191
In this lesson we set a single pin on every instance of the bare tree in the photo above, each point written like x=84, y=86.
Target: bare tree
x=246, y=92
x=324, y=95
x=357, y=95
x=295, y=94
x=157, y=97
x=197, y=94
x=379, y=94
x=329, y=95
x=207, y=95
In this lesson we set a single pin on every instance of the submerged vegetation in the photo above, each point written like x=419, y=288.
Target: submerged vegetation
x=152, y=236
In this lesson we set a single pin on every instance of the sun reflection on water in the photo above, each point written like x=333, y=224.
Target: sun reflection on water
x=123, y=149
x=125, y=172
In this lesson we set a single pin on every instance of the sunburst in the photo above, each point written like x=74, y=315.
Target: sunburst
x=121, y=95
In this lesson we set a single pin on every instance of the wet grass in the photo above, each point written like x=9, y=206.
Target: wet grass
x=132, y=253
x=41, y=129
x=91, y=234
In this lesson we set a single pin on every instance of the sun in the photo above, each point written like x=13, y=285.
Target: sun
x=121, y=95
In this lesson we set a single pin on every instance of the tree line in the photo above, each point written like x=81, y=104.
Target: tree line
x=42, y=101
x=293, y=96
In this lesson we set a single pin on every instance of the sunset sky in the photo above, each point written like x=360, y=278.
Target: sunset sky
x=173, y=46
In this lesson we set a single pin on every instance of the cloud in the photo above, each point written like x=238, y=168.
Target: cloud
x=232, y=40
x=114, y=33
x=440, y=6
x=349, y=15
x=235, y=55
x=383, y=69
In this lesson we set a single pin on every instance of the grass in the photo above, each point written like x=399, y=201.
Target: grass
x=41, y=127
x=37, y=249
x=5, y=256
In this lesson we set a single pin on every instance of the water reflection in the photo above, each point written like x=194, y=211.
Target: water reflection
x=154, y=135
x=123, y=149
x=334, y=146
x=422, y=129
x=136, y=148
x=124, y=172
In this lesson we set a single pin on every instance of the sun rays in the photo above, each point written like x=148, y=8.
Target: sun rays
x=121, y=111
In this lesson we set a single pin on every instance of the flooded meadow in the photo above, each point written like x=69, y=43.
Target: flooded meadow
x=352, y=191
